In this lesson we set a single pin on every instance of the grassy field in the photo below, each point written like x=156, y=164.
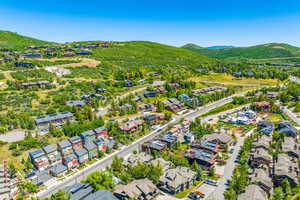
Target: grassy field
x=231, y=80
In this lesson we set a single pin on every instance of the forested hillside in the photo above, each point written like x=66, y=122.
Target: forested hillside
x=147, y=56
x=272, y=50
x=11, y=40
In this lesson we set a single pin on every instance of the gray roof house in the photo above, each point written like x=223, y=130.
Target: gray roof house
x=134, y=159
x=53, y=117
x=82, y=155
x=142, y=189
x=65, y=147
x=92, y=149
x=79, y=191
x=53, y=154
x=253, y=192
x=58, y=170
x=101, y=195
x=177, y=179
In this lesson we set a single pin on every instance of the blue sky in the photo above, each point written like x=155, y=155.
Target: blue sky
x=176, y=22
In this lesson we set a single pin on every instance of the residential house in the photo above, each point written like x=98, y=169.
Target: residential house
x=248, y=113
x=134, y=159
x=92, y=149
x=169, y=139
x=262, y=104
x=142, y=189
x=24, y=64
x=287, y=128
x=101, y=132
x=76, y=143
x=82, y=155
x=58, y=170
x=131, y=126
x=53, y=154
x=206, y=145
x=174, y=105
x=206, y=159
x=79, y=191
x=285, y=167
x=101, y=195
x=266, y=127
x=101, y=144
x=76, y=103
x=150, y=94
x=39, y=159
x=154, y=145
x=56, y=119
x=291, y=146
x=88, y=136
x=37, y=84
x=84, y=52
x=208, y=90
x=189, y=138
x=262, y=178
x=177, y=179
x=128, y=83
x=261, y=142
x=261, y=156
x=71, y=161
x=219, y=138
x=272, y=95
x=161, y=89
x=101, y=90
x=65, y=147
x=31, y=55
x=147, y=107
x=253, y=192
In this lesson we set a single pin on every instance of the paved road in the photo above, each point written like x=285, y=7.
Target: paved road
x=217, y=193
x=292, y=115
x=102, y=164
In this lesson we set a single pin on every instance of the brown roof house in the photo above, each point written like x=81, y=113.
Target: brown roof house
x=291, y=146
x=261, y=156
x=253, y=192
x=131, y=126
x=142, y=189
x=219, y=138
x=285, y=168
x=262, y=179
x=177, y=179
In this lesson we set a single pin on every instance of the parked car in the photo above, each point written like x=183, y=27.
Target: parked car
x=211, y=182
x=196, y=195
x=231, y=151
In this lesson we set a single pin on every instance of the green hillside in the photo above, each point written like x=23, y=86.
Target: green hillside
x=135, y=55
x=13, y=40
x=271, y=50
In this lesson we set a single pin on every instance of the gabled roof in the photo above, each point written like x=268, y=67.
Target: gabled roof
x=79, y=190
x=253, y=192
x=64, y=144
x=50, y=148
x=59, y=168
x=75, y=139
x=222, y=137
x=37, y=153
x=52, y=117
x=101, y=195
x=90, y=146
x=81, y=152
x=136, y=188
x=261, y=176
